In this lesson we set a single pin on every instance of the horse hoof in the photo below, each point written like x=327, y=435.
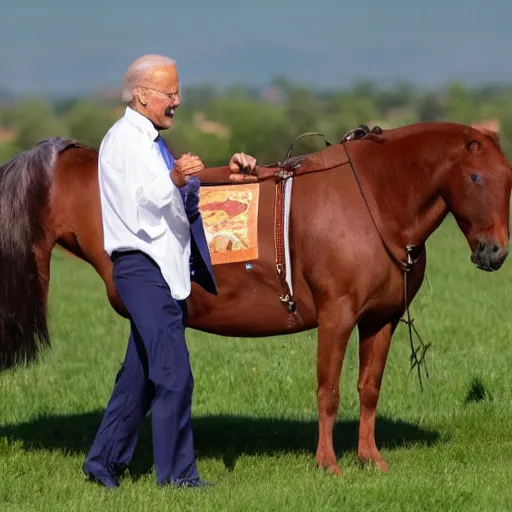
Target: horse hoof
x=334, y=469
x=331, y=467
x=382, y=465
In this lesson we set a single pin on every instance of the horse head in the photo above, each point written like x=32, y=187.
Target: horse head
x=476, y=186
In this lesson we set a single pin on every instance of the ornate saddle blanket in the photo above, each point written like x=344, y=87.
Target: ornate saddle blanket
x=230, y=219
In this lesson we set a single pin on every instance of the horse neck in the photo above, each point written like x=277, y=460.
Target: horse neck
x=404, y=190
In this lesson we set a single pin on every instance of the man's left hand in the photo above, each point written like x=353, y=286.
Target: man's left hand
x=241, y=161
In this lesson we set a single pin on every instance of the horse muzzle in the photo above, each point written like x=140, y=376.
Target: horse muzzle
x=489, y=256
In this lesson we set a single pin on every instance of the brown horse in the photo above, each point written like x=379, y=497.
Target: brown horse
x=357, y=229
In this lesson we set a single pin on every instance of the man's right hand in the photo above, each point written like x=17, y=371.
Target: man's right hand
x=186, y=166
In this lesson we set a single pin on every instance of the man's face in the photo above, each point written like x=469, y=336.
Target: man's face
x=158, y=96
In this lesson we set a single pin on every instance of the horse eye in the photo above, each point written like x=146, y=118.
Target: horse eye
x=476, y=178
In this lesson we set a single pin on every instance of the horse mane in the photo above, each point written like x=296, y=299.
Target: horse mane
x=24, y=190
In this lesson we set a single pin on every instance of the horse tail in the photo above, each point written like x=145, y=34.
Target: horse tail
x=24, y=197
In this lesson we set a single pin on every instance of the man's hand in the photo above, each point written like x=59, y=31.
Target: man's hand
x=186, y=166
x=241, y=161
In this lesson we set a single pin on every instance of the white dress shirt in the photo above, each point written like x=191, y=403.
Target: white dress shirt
x=141, y=207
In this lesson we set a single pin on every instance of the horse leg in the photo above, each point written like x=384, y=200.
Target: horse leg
x=105, y=271
x=103, y=266
x=373, y=351
x=333, y=337
x=88, y=247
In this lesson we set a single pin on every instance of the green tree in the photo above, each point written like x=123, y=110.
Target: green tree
x=431, y=108
x=89, y=122
x=255, y=127
x=34, y=120
x=185, y=137
x=7, y=151
x=460, y=106
x=347, y=110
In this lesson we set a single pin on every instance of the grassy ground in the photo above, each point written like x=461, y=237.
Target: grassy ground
x=449, y=448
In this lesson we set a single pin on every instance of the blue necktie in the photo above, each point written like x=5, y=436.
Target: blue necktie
x=166, y=154
x=190, y=200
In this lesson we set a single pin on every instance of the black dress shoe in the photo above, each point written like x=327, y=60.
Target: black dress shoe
x=200, y=483
x=195, y=482
x=101, y=477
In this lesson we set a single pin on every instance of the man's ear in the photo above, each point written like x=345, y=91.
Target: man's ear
x=140, y=96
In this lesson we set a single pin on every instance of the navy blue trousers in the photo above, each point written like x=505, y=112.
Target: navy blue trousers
x=155, y=374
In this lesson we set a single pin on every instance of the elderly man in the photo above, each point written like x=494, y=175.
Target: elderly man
x=154, y=234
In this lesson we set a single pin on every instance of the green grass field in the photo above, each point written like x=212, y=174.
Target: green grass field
x=448, y=448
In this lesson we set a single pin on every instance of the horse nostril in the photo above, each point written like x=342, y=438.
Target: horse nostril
x=489, y=248
x=489, y=256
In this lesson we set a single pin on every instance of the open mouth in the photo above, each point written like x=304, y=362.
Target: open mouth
x=487, y=267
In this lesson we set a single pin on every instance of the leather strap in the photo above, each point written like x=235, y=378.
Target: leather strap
x=286, y=297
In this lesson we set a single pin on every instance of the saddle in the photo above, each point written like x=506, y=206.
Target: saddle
x=330, y=157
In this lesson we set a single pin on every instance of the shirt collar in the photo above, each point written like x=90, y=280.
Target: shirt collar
x=141, y=122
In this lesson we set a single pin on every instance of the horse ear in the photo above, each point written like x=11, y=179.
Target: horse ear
x=473, y=146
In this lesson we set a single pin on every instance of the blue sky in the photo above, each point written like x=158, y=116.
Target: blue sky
x=72, y=47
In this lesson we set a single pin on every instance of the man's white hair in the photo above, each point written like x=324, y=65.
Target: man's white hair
x=138, y=70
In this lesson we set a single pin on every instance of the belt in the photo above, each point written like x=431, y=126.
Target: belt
x=116, y=254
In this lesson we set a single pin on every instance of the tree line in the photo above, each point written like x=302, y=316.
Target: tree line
x=216, y=122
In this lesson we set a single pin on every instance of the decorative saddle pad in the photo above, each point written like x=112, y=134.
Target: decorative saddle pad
x=230, y=218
